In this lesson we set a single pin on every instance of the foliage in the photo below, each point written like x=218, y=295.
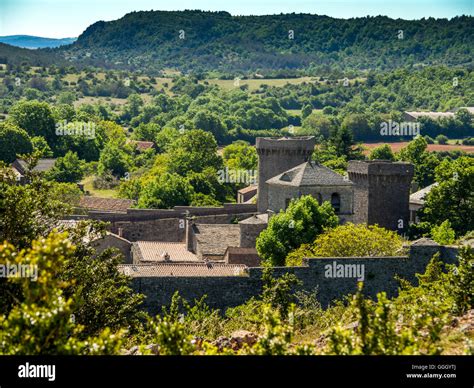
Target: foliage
x=42, y=322
x=350, y=240
x=68, y=169
x=453, y=198
x=376, y=332
x=443, y=234
x=383, y=152
x=424, y=162
x=164, y=192
x=277, y=292
x=302, y=221
x=193, y=151
x=13, y=141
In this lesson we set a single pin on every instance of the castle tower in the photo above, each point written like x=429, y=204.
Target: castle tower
x=381, y=193
x=277, y=155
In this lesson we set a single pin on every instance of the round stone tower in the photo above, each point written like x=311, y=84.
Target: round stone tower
x=277, y=155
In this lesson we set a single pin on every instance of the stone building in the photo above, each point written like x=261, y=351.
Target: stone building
x=381, y=193
x=311, y=178
x=277, y=155
x=417, y=201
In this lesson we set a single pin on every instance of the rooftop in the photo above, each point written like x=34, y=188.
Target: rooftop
x=248, y=189
x=256, y=219
x=42, y=165
x=309, y=174
x=433, y=115
x=213, y=239
x=154, y=251
x=105, y=204
x=419, y=196
x=182, y=270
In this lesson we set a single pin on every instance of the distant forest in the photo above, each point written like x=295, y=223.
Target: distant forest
x=275, y=46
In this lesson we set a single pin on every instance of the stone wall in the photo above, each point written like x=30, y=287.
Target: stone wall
x=381, y=193
x=277, y=155
x=168, y=225
x=224, y=292
x=280, y=195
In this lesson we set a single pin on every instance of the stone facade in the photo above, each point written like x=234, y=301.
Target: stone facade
x=279, y=197
x=250, y=229
x=114, y=241
x=381, y=193
x=229, y=291
x=276, y=155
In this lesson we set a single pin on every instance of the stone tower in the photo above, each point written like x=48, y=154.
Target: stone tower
x=381, y=193
x=277, y=155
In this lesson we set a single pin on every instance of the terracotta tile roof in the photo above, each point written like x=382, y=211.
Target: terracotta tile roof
x=154, y=250
x=105, y=204
x=143, y=145
x=182, y=270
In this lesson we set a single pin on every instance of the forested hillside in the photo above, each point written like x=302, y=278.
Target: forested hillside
x=216, y=40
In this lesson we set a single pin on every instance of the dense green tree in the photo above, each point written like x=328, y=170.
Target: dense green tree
x=210, y=122
x=240, y=155
x=383, y=152
x=302, y=221
x=424, y=162
x=68, y=169
x=317, y=124
x=165, y=191
x=36, y=118
x=114, y=159
x=453, y=198
x=193, y=151
x=350, y=240
x=13, y=141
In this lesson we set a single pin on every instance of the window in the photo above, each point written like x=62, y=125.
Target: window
x=319, y=197
x=336, y=202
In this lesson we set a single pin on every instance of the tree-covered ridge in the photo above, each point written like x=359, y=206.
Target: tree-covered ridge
x=218, y=41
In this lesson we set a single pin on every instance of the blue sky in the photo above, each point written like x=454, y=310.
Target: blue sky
x=69, y=18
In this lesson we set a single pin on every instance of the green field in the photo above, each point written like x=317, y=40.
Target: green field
x=88, y=186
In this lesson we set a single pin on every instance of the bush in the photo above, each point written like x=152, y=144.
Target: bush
x=443, y=234
x=350, y=240
x=441, y=139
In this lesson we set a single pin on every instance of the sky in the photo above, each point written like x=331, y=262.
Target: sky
x=69, y=18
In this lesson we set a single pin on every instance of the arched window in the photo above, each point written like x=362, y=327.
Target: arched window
x=336, y=202
x=319, y=197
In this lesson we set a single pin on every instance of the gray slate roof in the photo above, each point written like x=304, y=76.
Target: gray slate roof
x=309, y=174
x=419, y=196
x=213, y=239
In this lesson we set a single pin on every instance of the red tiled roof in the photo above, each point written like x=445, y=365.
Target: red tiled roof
x=143, y=145
x=105, y=204
x=182, y=270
